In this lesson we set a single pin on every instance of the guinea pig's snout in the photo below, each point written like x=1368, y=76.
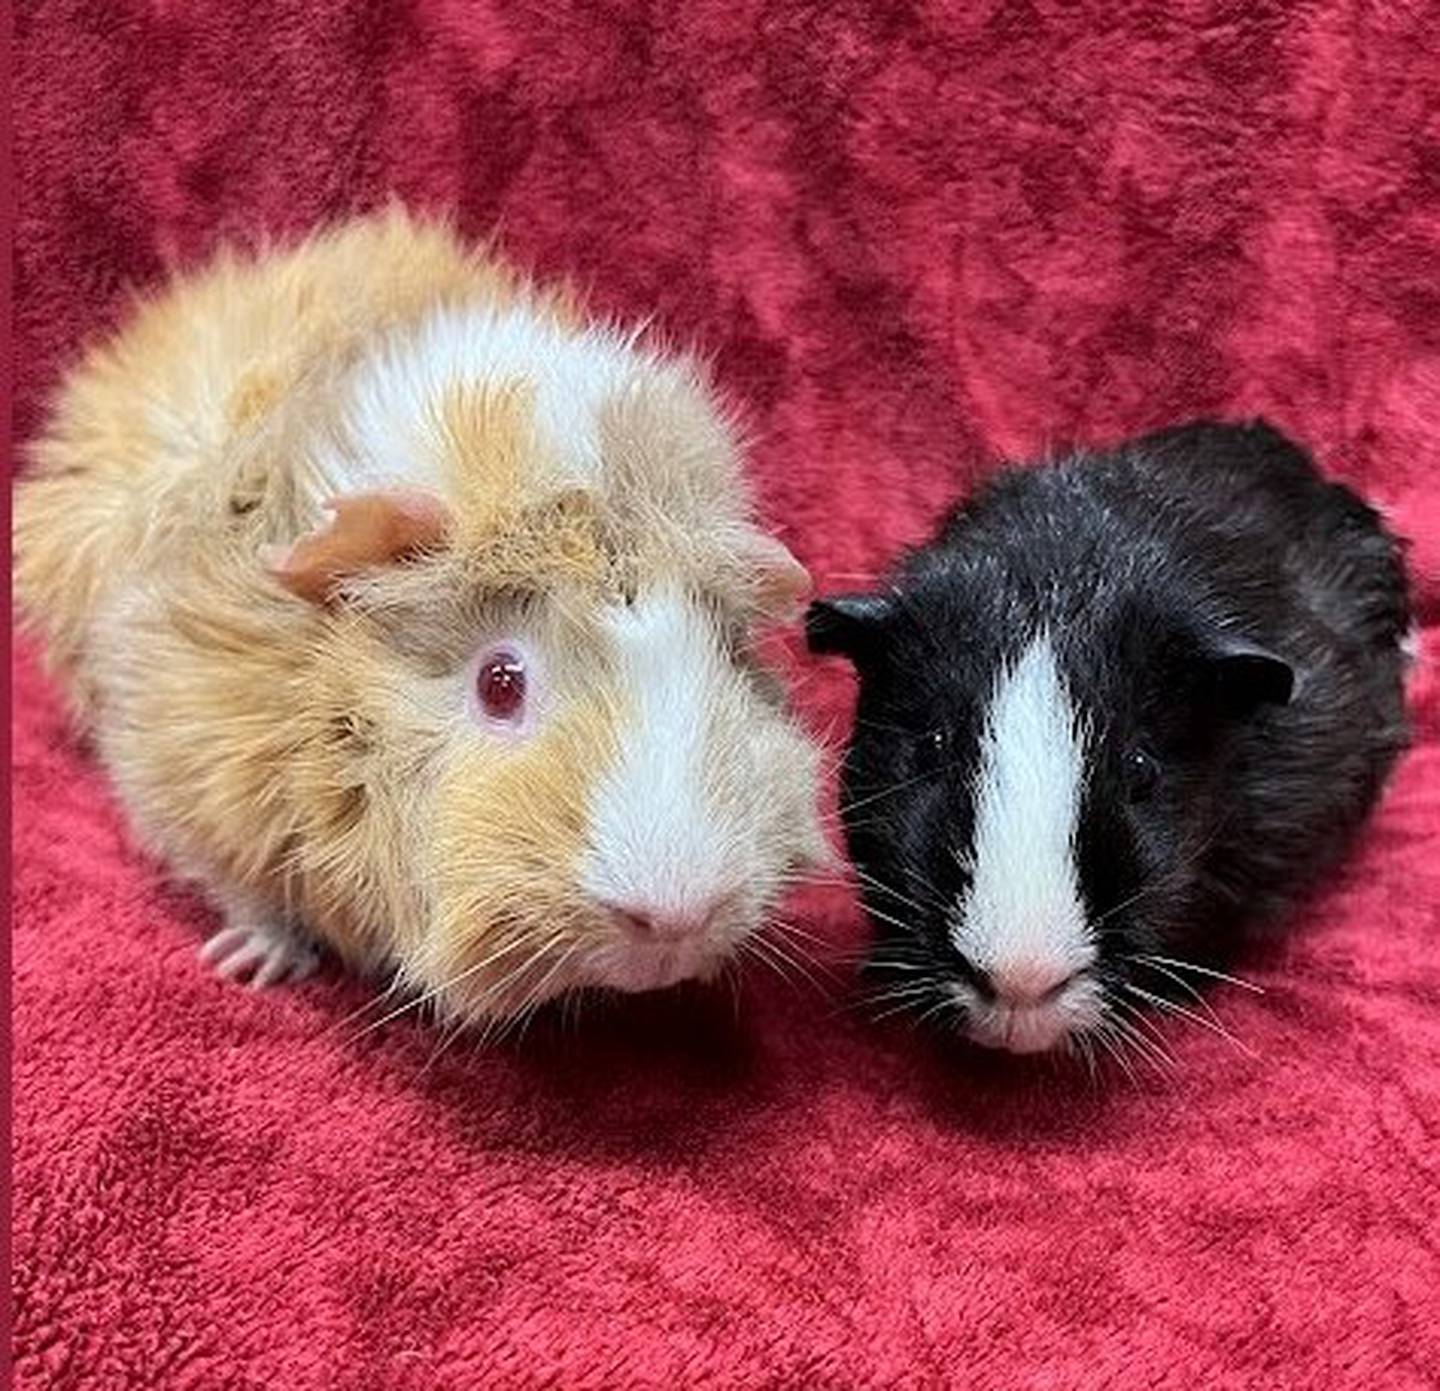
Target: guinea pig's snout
x=657, y=941
x=665, y=922
x=1027, y=1004
x=1025, y=981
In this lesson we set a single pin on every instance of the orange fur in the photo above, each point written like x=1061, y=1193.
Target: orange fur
x=318, y=759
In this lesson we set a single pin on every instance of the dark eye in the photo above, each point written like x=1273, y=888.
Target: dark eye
x=932, y=749
x=1142, y=773
x=500, y=687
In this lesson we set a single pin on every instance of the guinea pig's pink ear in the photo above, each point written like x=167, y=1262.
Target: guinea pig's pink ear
x=365, y=531
x=847, y=625
x=1243, y=678
x=782, y=582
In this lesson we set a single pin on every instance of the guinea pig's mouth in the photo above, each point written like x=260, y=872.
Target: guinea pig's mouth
x=635, y=958
x=651, y=947
x=637, y=966
x=1032, y=1028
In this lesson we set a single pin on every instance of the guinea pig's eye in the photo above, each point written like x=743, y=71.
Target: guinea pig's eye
x=500, y=686
x=932, y=748
x=1142, y=773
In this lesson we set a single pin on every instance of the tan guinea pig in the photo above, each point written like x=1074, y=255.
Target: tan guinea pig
x=411, y=610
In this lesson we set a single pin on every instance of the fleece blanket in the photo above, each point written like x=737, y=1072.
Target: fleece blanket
x=913, y=240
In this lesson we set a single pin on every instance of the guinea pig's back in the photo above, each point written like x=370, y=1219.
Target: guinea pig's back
x=1248, y=506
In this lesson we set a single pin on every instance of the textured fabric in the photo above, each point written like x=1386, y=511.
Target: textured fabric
x=911, y=241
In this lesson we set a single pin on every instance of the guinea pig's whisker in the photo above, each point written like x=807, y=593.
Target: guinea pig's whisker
x=1140, y=1033
x=832, y=751
x=794, y=930
x=1084, y=1044
x=534, y=961
x=1168, y=1006
x=576, y=1004
x=937, y=900
x=1103, y=1036
x=435, y=992
x=846, y=809
x=902, y=991
x=569, y=1009
x=794, y=933
x=1130, y=1041
x=1148, y=1031
x=397, y=984
x=730, y=974
x=1078, y=1046
x=943, y=1003
x=1179, y=981
x=444, y=1043
x=413, y=1004
x=1122, y=906
x=880, y=886
x=904, y=1007
x=802, y=961
x=810, y=878
x=912, y=991
x=888, y=949
x=912, y=963
x=859, y=823
x=513, y=1020
x=911, y=1008
x=887, y=918
x=1164, y=1006
x=1172, y=878
x=752, y=948
x=1203, y=971
x=761, y=950
x=538, y=996
x=781, y=959
x=1171, y=1007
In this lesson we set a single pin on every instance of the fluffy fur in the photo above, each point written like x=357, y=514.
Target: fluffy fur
x=317, y=763
x=1227, y=632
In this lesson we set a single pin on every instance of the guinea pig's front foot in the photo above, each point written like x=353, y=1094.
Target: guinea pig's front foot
x=261, y=947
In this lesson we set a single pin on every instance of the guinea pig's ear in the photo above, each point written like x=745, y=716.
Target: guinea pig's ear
x=1245, y=678
x=782, y=582
x=847, y=625
x=365, y=531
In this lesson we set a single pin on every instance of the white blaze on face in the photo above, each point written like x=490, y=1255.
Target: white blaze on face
x=659, y=844
x=1023, y=904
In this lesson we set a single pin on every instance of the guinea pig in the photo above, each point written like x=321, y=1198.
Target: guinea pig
x=1120, y=707
x=416, y=614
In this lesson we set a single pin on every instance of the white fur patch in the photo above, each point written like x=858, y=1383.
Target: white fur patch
x=1024, y=904
x=656, y=842
x=391, y=396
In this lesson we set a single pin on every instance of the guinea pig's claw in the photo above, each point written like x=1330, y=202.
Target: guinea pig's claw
x=267, y=952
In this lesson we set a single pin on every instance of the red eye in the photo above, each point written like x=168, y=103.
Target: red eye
x=500, y=687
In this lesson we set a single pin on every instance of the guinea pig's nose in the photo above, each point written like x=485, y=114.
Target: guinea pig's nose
x=667, y=923
x=1028, y=980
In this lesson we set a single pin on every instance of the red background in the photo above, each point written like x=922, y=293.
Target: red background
x=912, y=240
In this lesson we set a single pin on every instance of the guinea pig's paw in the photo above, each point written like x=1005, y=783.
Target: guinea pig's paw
x=264, y=949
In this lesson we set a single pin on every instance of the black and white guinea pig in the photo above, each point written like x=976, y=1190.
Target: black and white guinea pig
x=1119, y=707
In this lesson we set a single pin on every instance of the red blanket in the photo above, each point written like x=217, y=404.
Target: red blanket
x=912, y=242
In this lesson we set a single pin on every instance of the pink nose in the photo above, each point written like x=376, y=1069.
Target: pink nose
x=1028, y=980
x=652, y=924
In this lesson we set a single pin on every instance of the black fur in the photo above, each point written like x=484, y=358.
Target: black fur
x=1229, y=623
